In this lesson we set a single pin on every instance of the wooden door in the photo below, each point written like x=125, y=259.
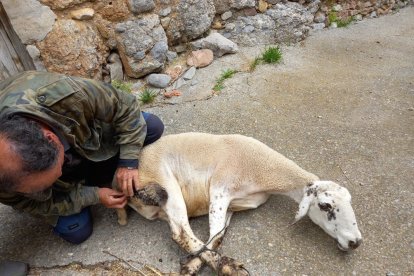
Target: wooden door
x=14, y=57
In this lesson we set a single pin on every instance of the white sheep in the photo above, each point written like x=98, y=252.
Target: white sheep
x=193, y=174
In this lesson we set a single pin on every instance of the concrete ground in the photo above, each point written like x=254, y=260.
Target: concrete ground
x=341, y=105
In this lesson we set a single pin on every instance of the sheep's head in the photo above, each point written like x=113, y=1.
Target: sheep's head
x=329, y=206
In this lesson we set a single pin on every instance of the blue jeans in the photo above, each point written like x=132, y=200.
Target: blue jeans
x=77, y=228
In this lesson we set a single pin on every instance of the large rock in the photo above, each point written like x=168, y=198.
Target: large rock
x=225, y=5
x=31, y=20
x=217, y=43
x=141, y=6
x=251, y=30
x=75, y=48
x=138, y=37
x=113, y=10
x=292, y=20
x=159, y=80
x=189, y=19
x=61, y=4
x=287, y=23
x=200, y=58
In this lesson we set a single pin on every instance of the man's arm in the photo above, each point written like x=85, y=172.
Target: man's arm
x=122, y=110
x=59, y=202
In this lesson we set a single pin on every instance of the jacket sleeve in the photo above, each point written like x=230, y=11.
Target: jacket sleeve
x=53, y=201
x=120, y=109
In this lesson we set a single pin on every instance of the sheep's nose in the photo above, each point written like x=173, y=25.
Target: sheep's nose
x=355, y=244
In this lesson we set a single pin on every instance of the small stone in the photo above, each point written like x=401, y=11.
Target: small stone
x=190, y=73
x=373, y=14
x=179, y=83
x=200, y=58
x=263, y=5
x=226, y=15
x=319, y=17
x=390, y=274
x=120, y=29
x=230, y=26
x=174, y=72
x=248, y=29
x=172, y=93
x=337, y=8
x=165, y=12
x=159, y=80
x=171, y=56
x=70, y=254
x=217, y=25
x=180, y=48
x=358, y=17
x=334, y=25
x=82, y=14
x=318, y=26
x=410, y=109
x=250, y=12
x=165, y=22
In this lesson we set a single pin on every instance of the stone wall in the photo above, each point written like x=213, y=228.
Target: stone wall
x=105, y=39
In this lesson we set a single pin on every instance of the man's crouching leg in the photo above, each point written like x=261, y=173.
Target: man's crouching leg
x=75, y=228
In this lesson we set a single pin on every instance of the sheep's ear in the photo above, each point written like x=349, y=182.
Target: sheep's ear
x=304, y=206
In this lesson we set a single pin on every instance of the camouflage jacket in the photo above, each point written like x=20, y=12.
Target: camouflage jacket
x=97, y=121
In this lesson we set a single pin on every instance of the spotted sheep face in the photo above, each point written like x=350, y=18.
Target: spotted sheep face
x=329, y=206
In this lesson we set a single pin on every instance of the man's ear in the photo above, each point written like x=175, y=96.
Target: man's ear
x=307, y=198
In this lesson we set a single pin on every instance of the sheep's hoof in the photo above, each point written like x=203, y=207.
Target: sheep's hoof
x=122, y=222
x=230, y=267
x=188, y=270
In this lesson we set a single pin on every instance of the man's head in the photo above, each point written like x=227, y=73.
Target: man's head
x=31, y=155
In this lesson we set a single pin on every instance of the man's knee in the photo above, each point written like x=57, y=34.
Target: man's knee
x=155, y=128
x=75, y=228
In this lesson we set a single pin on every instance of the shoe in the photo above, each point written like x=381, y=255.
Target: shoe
x=13, y=268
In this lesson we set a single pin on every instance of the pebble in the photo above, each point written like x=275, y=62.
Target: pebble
x=159, y=80
x=334, y=25
x=373, y=14
x=318, y=26
x=165, y=12
x=82, y=14
x=189, y=74
x=70, y=254
x=319, y=17
x=226, y=15
x=171, y=56
x=358, y=17
x=200, y=58
x=337, y=8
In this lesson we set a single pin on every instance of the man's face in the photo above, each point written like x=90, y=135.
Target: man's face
x=33, y=182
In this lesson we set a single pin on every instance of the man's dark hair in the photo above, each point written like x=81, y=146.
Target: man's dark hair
x=27, y=140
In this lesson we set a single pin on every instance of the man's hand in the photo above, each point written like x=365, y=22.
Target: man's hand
x=112, y=198
x=127, y=179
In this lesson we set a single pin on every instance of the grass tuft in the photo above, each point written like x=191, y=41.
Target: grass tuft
x=254, y=64
x=147, y=96
x=123, y=86
x=333, y=17
x=224, y=75
x=272, y=55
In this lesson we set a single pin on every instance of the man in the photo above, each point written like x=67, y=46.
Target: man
x=62, y=141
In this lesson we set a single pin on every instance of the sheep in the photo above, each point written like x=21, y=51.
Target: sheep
x=193, y=174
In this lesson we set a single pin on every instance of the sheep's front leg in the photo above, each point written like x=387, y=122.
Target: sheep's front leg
x=219, y=220
x=182, y=233
x=122, y=216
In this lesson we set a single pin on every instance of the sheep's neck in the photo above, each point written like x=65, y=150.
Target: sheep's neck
x=296, y=194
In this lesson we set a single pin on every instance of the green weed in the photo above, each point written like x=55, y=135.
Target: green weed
x=123, y=86
x=333, y=17
x=147, y=96
x=224, y=75
x=272, y=55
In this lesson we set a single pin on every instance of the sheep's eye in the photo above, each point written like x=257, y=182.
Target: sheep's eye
x=325, y=206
